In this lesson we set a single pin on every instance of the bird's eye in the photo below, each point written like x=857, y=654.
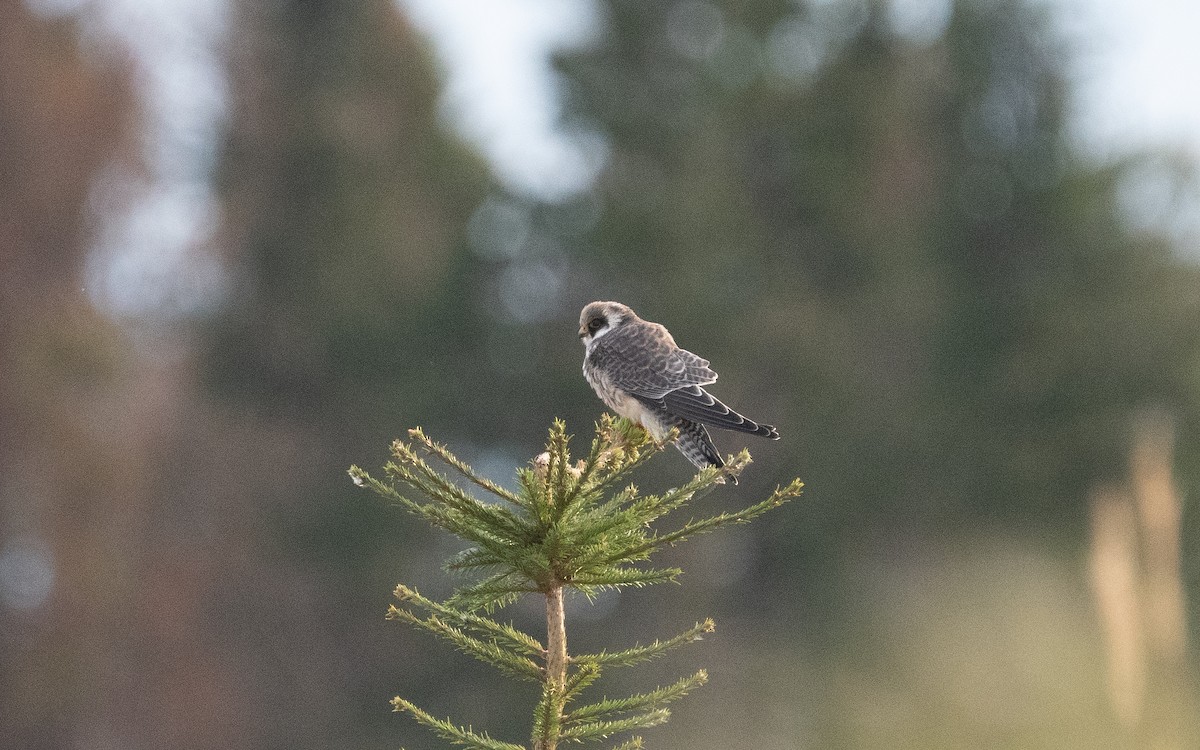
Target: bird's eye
x=595, y=324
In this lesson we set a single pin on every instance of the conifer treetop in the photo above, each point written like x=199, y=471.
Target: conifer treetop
x=569, y=525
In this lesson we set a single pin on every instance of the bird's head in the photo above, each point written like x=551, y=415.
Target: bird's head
x=598, y=318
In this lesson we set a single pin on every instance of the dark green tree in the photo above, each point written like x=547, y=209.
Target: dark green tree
x=346, y=202
x=570, y=527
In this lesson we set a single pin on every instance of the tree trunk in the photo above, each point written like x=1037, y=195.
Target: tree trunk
x=556, y=658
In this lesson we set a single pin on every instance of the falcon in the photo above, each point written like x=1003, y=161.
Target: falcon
x=638, y=371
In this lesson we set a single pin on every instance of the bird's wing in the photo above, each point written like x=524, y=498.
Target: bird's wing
x=643, y=361
x=695, y=403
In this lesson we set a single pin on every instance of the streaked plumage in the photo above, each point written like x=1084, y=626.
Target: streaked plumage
x=639, y=372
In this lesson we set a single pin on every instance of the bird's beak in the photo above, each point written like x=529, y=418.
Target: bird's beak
x=582, y=331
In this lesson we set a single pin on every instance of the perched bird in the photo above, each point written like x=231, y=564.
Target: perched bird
x=638, y=371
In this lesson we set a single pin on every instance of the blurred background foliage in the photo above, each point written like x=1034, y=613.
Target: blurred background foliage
x=986, y=372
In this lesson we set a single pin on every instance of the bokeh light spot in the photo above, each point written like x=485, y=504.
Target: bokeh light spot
x=26, y=572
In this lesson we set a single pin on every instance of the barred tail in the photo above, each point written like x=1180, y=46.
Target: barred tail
x=696, y=445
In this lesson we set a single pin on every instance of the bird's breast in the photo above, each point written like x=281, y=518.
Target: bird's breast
x=613, y=397
x=624, y=404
